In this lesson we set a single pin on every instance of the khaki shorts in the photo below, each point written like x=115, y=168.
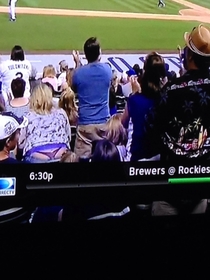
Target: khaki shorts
x=85, y=136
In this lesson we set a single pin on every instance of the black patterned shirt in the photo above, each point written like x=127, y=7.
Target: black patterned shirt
x=183, y=116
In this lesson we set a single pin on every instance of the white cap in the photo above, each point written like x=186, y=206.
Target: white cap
x=9, y=123
x=63, y=64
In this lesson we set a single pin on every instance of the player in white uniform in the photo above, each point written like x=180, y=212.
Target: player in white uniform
x=12, y=4
x=16, y=66
x=161, y=4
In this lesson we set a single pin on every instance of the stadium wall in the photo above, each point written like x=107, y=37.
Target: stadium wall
x=119, y=62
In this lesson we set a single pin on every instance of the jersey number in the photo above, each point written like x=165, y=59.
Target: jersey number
x=19, y=75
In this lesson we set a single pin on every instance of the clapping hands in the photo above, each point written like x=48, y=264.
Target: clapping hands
x=76, y=58
x=135, y=84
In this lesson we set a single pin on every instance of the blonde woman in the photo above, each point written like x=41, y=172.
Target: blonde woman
x=67, y=102
x=48, y=133
x=117, y=134
x=49, y=76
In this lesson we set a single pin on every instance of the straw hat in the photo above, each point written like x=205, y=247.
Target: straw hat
x=198, y=40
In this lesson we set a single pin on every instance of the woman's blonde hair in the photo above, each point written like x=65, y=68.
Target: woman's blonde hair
x=115, y=131
x=49, y=71
x=69, y=156
x=41, y=100
x=68, y=104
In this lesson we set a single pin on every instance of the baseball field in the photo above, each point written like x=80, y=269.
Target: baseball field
x=121, y=25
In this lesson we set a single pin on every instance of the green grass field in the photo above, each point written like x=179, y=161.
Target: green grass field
x=63, y=33
x=149, y=6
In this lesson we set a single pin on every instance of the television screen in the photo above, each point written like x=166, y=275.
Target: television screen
x=104, y=107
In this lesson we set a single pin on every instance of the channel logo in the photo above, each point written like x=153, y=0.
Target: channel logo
x=7, y=186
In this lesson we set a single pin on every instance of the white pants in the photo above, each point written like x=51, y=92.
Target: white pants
x=12, y=8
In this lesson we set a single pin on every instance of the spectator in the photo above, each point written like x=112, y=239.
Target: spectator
x=183, y=116
x=68, y=104
x=48, y=133
x=19, y=105
x=118, y=93
x=69, y=75
x=144, y=144
x=91, y=82
x=105, y=151
x=49, y=75
x=126, y=87
x=10, y=126
x=116, y=83
x=170, y=74
x=16, y=67
x=55, y=94
x=63, y=70
x=112, y=101
x=138, y=70
x=117, y=134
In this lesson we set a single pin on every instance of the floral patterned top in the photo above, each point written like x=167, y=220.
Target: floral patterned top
x=18, y=111
x=183, y=116
x=45, y=129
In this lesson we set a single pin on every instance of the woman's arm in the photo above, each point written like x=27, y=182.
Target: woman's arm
x=136, y=88
x=125, y=117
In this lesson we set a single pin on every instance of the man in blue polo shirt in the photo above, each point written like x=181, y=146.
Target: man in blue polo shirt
x=91, y=82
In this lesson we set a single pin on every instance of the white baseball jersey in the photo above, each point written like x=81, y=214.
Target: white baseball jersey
x=10, y=70
x=62, y=78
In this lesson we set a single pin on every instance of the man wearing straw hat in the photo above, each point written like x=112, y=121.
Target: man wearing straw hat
x=183, y=116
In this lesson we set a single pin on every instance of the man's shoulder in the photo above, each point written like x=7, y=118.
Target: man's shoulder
x=92, y=67
x=188, y=80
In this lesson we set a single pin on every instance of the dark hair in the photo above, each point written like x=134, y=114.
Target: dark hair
x=105, y=150
x=4, y=141
x=17, y=53
x=202, y=62
x=92, y=49
x=137, y=69
x=18, y=87
x=154, y=70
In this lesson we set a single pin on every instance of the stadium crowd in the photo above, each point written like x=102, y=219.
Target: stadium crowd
x=87, y=111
